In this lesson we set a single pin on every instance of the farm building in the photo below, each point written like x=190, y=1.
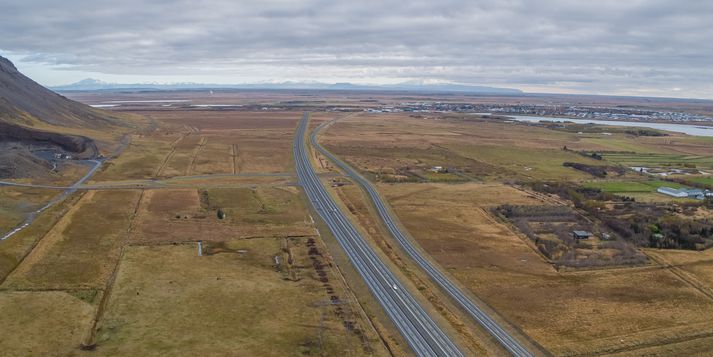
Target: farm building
x=672, y=192
x=683, y=193
x=581, y=234
x=699, y=194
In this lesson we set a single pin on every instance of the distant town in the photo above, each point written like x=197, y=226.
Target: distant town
x=583, y=112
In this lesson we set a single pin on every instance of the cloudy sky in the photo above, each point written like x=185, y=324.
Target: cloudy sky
x=627, y=47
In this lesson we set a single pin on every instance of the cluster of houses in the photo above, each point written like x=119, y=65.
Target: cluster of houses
x=579, y=234
x=62, y=156
x=696, y=193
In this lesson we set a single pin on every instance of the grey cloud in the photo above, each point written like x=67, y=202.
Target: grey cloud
x=593, y=46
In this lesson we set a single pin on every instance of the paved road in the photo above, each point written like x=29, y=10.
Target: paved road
x=500, y=334
x=155, y=184
x=423, y=335
x=67, y=191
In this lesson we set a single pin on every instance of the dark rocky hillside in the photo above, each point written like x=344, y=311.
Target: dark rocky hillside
x=35, y=119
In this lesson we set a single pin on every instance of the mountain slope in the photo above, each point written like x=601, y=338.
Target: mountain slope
x=33, y=119
x=25, y=102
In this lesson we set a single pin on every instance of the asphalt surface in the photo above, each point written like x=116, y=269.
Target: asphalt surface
x=154, y=184
x=67, y=191
x=501, y=335
x=422, y=334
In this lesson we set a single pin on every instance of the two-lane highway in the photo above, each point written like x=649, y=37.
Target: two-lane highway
x=423, y=335
x=510, y=343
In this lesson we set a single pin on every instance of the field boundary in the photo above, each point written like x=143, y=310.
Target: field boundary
x=170, y=154
x=90, y=340
x=37, y=241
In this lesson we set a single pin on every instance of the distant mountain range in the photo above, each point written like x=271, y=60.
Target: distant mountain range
x=90, y=84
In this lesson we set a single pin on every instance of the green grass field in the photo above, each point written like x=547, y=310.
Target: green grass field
x=537, y=163
x=631, y=186
x=660, y=160
x=706, y=180
x=442, y=177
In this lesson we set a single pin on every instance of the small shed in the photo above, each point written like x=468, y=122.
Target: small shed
x=581, y=234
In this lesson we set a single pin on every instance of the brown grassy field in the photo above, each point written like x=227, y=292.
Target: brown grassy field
x=168, y=300
x=207, y=142
x=588, y=312
x=191, y=214
x=82, y=248
x=396, y=147
x=14, y=250
x=17, y=202
x=142, y=158
x=46, y=323
x=390, y=144
x=231, y=142
x=126, y=259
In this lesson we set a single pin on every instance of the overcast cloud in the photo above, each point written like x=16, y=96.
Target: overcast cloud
x=661, y=48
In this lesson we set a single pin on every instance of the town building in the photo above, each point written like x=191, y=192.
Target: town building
x=686, y=193
x=581, y=234
x=672, y=192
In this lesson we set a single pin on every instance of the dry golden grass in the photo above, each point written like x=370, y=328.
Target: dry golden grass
x=13, y=250
x=695, y=267
x=169, y=301
x=233, y=301
x=81, y=250
x=214, y=158
x=178, y=215
x=47, y=323
x=142, y=159
x=17, y=202
x=260, y=141
x=208, y=142
x=568, y=313
x=481, y=149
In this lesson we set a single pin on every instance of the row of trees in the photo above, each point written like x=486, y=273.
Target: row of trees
x=644, y=224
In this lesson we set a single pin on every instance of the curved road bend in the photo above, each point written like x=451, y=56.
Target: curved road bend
x=423, y=335
x=500, y=334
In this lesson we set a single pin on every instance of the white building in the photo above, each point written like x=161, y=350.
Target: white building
x=672, y=192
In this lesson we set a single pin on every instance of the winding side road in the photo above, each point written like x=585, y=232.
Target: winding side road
x=423, y=335
x=500, y=334
x=67, y=191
